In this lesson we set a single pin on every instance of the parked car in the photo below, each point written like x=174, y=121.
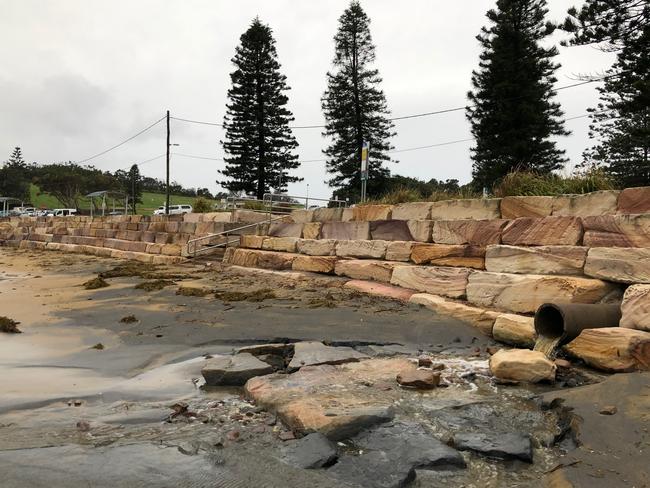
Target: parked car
x=174, y=210
x=62, y=212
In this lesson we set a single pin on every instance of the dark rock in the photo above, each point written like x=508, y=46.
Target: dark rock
x=422, y=379
x=313, y=353
x=234, y=370
x=233, y=435
x=272, y=359
x=279, y=349
x=374, y=469
x=311, y=452
x=501, y=446
x=188, y=448
x=286, y=435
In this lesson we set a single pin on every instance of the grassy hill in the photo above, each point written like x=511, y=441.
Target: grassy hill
x=150, y=201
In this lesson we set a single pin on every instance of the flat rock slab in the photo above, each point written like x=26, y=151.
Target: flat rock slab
x=477, y=317
x=362, y=249
x=412, y=211
x=617, y=231
x=550, y=260
x=234, y=370
x=420, y=229
x=390, y=230
x=282, y=244
x=366, y=213
x=501, y=446
x=311, y=230
x=328, y=214
x=522, y=365
x=310, y=452
x=366, y=269
x=635, y=308
x=282, y=229
x=332, y=400
x=474, y=208
x=438, y=280
x=525, y=293
x=526, y=206
x=448, y=255
x=473, y=232
x=399, y=251
x=391, y=454
x=548, y=231
x=314, y=353
x=601, y=202
x=630, y=265
x=379, y=289
x=317, y=247
x=315, y=264
x=612, y=349
x=421, y=379
x=252, y=258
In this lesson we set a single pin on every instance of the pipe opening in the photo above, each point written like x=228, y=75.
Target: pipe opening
x=549, y=321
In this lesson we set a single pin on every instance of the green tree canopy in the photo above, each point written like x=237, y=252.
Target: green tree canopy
x=15, y=177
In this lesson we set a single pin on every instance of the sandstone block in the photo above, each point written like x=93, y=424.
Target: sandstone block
x=317, y=247
x=474, y=232
x=420, y=379
x=328, y=214
x=451, y=282
x=167, y=249
x=617, y=231
x=380, y=289
x=474, y=208
x=348, y=215
x=275, y=260
x=351, y=231
x=552, y=260
x=311, y=230
x=189, y=227
x=548, y=231
x=390, y=230
x=477, y=317
x=154, y=248
x=218, y=216
x=315, y=264
x=636, y=308
x=283, y=244
x=517, y=330
x=613, y=349
x=365, y=269
x=361, y=249
x=248, y=216
x=251, y=241
x=420, y=229
x=193, y=217
x=596, y=203
x=525, y=293
x=627, y=265
x=412, y=211
x=282, y=229
x=527, y=206
x=522, y=365
x=448, y=255
x=302, y=216
x=366, y=213
x=634, y=200
x=399, y=251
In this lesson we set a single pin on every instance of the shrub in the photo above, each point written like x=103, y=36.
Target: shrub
x=201, y=205
x=524, y=183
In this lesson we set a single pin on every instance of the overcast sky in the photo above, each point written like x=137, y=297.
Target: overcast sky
x=79, y=76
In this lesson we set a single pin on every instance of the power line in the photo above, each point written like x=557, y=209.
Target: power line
x=121, y=143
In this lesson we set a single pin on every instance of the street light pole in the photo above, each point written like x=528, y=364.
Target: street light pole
x=167, y=187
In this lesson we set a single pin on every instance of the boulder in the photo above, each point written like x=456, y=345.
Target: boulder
x=448, y=255
x=351, y=231
x=438, y=280
x=525, y=293
x=315, y=264
x=367, y=213
x=390, y=230
x=516, y=330
x=636, y=308
x=313, y=353
x=251, y=241
x=634, y=201
x=328, y=214
x=412, y=211
x=475, y=208
x=477, y=317
x=302, y=216
x=379, y=289
x=399, y=251
x=500, y=446
x=311, y=452
x=548, y=231
x=283, y=229
x=596, y=203
x=522, y=365
x=526, y=206
x=551, y=260
x=233, y=370
x=612, y=349
x=362, y=249
x=420, y=229
x=366, y=269
x=617, y=231
x=282, y=244
x=474, y=232
x=311, y=230
x=317, y=247
x=627, y=265
x=420, y=379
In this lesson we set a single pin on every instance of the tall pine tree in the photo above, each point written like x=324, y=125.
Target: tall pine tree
x=621, y=121
x=15, y=177
x=355, y=109
x=512, y=114
x=258, y=143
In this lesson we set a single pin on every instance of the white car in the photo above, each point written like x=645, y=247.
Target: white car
x=62, y=212
x=174, y=210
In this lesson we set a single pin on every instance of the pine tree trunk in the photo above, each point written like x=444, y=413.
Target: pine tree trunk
x=261, y=176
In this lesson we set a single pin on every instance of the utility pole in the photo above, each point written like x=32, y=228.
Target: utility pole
x=133, y=191
x=167, y=187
